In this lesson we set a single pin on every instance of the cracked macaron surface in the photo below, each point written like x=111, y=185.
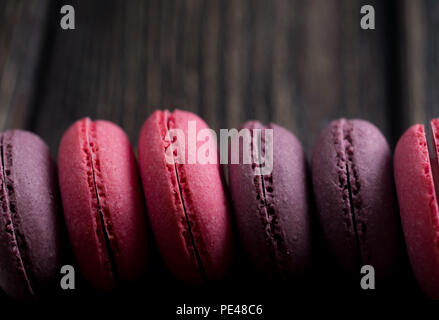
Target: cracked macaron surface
x=103, y=203
x=30, y=242
x=271, y=208
x=417, y=178
x=354, y=194
x=186, y=202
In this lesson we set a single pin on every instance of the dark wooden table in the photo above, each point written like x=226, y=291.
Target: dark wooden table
x=297, y=63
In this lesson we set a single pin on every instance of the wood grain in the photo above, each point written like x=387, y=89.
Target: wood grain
x=22, y=33
x=298, y=63
x=419, y=55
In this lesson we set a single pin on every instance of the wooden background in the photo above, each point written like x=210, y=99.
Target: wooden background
x=297, y=63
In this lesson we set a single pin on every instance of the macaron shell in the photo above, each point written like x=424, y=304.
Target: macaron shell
x=203, y=198
x=329, y=177
x=80, y=209
x=378, y=224
x=113, y=177
x=32, y=174
x=206, y=202
x=13, y=277
x=360, y=221
x=418, y=207
x=245, y=190
x=291, y=199
x=124, y=199
x=288, y=197
x=166, y=213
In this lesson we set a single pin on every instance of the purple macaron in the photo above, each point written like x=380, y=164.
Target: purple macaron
x=29, y=214
x=355, y=197
x=272, y=208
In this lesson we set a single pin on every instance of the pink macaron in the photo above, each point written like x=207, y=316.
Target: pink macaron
x=416, y=177
x=186, y=201
x=103, y=204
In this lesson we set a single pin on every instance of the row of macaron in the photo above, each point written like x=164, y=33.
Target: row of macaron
x=110, y=202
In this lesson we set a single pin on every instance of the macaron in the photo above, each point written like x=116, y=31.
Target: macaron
x=416, y=178
x=355, y=198
x=185, y=196
x=30, y=211
x=270, y=196
x=103, y=203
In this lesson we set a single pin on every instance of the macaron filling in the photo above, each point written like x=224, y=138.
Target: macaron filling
x=350, y=185
x=97, y=191
x=265, y=196
x=182, y=197
x=8, y=203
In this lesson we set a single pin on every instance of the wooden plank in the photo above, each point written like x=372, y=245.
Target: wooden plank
x=22, y=31
x=331, y=67
x=124, y=60
x=298, y=63
x=419, y=57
